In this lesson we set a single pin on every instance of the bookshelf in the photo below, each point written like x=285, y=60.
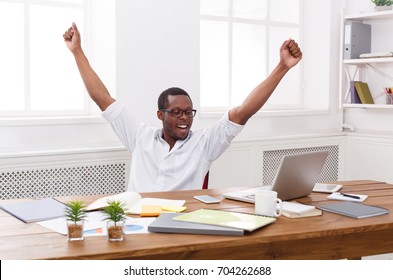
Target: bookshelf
x=369, y=70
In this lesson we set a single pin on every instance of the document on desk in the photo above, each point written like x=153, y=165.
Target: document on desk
x=133, y=202
x=36, y=210
x=248, y=222
x=95, y=225
x=129, y=199
x=164, y=203
x=94, y=220
x=348, y=196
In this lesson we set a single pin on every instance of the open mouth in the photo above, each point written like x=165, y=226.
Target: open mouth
x=183, y=126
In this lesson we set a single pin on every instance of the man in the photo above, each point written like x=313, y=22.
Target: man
x=174, y=157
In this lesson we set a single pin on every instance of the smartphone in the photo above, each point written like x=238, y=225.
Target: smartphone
x=326, y=188
x=207, y=199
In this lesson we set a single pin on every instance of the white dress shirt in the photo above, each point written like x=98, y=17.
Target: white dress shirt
x=156, y=168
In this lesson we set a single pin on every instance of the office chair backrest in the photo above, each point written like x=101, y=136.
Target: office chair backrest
x=206, y=182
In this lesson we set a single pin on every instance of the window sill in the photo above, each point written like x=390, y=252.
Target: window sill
x=267, y=113
x=39, y=121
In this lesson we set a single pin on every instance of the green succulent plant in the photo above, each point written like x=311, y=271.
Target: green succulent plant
x=115, y=211
x=382, y=2
x=75, y=211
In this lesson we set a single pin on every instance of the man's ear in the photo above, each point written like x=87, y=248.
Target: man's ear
x=160, y=115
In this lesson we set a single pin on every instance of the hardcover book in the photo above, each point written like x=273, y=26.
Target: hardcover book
x=354, y=94
x=364, y=93
x=311, y=213
x=298, y=210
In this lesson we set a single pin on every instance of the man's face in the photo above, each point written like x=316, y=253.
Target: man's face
x=176, y=128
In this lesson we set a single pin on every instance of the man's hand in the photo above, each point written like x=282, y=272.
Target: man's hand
x=72, y=38
x=290, y=53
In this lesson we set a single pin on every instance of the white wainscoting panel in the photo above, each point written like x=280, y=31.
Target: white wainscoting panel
x=64, y=173
x=370, y=157
x=240, y=165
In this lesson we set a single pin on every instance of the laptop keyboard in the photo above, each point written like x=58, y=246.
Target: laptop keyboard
x=250, y=196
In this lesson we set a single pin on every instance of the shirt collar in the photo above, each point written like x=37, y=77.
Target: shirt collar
x=179, y=143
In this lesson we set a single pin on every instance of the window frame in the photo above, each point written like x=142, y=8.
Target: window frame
x=28, y=115
x=299, y=109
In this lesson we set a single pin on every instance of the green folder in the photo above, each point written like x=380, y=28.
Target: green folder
x=248, y=222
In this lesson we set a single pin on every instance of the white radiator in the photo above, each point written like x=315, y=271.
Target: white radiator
x=70, y=173
x=272, y=159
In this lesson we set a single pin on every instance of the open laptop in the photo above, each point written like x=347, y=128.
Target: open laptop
x=295, y=177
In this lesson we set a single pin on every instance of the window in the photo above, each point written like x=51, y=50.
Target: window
x=39, y=75
x=239, y=46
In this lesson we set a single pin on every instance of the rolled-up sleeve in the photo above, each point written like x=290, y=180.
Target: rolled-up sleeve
x=123, y=123
x=220, y=137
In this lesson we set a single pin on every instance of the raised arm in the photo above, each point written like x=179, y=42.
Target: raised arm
x=290, y=55
x=95, y=87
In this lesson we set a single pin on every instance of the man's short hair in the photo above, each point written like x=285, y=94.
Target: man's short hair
x=163, y=98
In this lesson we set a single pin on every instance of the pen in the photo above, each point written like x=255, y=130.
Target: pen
x=349, y=195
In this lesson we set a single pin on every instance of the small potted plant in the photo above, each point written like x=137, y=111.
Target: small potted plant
x=382, y=5
x=75, y=214
x=115, y=216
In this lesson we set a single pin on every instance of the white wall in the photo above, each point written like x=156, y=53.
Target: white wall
x=158, y=48
x=369, y=156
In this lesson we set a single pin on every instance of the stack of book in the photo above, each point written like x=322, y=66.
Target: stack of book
x=298, y=210
x=210, y=221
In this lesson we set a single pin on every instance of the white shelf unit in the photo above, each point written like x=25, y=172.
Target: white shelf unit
x=352, y=69
x=371, y=16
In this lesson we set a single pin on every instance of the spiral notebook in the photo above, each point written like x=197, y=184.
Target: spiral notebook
x=248, y=222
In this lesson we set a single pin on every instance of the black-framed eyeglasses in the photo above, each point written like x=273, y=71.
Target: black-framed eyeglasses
x=177, y=113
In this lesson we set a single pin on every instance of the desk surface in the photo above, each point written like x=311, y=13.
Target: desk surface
x=329, y=236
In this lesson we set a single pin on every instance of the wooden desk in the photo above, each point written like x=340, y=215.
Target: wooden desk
x=329, y=236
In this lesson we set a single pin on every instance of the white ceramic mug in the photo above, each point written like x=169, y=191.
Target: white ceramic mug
x=266, y=203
